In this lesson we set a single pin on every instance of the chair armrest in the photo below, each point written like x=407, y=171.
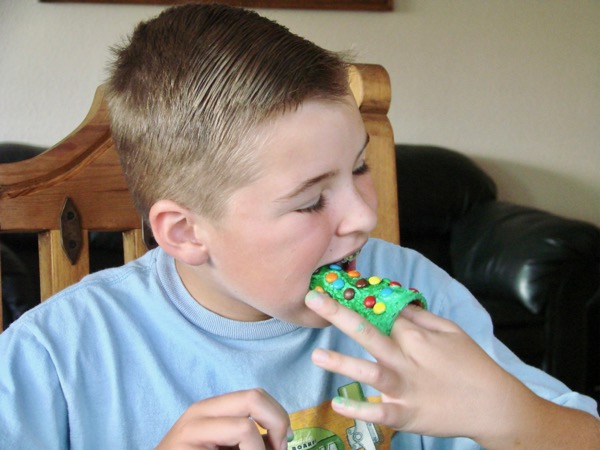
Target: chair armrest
x=516, y=253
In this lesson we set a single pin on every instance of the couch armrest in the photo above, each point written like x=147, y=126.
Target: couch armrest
x=549, y=264
x=522, y=254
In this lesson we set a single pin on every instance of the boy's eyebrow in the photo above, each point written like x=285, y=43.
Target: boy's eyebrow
x=307, y=184
x=311, y=182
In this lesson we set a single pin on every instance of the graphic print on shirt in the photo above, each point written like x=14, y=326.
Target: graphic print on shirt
x=321, y=428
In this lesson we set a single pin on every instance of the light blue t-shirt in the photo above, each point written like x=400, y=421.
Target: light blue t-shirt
x=113, y=361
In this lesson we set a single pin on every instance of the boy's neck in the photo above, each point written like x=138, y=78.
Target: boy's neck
x=205, y=293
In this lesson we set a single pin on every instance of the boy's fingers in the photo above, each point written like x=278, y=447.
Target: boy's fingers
x=253, y=405
x=358, y=328
x=351, y=323
x=380, y=413
x=358, y=369
x=425, y=319
x=208, y=432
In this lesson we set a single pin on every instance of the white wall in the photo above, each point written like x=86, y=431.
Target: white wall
x=513, y=83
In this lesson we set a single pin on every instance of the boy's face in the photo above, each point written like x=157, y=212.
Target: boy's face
x=313, y=203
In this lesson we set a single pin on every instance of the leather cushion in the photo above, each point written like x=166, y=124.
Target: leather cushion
x=437, y=186
x=524, y=255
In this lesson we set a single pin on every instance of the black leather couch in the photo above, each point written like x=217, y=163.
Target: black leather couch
x=536, y=273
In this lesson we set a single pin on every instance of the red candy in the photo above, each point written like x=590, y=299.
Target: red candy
x=369, y=301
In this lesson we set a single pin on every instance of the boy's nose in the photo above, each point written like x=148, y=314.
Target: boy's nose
x=359, y=214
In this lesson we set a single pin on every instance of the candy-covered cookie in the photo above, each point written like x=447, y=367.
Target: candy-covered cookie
x=378, y=300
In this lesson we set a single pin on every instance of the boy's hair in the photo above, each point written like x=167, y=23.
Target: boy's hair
x=187, y=91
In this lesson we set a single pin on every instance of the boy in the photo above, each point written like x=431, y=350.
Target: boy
x=246, y=153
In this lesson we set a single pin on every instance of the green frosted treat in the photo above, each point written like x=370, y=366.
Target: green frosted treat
x=377, y=300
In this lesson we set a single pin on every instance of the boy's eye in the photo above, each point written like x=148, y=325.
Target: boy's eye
x=320, y=204
x=363, y=168
x=315, y=207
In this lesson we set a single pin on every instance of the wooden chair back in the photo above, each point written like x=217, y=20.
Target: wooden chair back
x=77, y=186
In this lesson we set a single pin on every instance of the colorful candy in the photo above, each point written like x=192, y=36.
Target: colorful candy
x=378, y=300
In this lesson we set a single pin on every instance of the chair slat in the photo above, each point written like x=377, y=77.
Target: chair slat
x=133, y=245
x=370, y=85
x=381, y=159
x=56, y=271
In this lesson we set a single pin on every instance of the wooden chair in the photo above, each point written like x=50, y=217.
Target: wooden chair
x=77, y=186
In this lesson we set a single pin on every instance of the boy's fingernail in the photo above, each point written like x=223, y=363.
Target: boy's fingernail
x=319, y=355
x=313, y=297
x=340, y=401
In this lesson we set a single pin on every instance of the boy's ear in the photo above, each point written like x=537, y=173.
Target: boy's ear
x=176, y=229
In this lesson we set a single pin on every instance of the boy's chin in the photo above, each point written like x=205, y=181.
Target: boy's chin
x=311, y=320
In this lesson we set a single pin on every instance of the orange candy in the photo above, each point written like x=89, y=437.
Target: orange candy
x=331, y=277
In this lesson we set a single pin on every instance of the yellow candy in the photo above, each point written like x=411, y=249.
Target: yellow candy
x=379, y=308
x=374, y=280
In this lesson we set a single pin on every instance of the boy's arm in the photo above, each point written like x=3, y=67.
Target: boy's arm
x=436, y=380
x=539, y=423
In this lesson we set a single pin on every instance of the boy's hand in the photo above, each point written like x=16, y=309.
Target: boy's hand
x=231, y=420
x=434, y=380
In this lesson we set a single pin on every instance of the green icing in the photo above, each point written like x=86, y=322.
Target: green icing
x=394, y=297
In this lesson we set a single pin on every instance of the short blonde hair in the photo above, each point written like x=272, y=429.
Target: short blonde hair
x=188, y=89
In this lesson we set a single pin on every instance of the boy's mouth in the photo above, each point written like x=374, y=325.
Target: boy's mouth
x=349, y=262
